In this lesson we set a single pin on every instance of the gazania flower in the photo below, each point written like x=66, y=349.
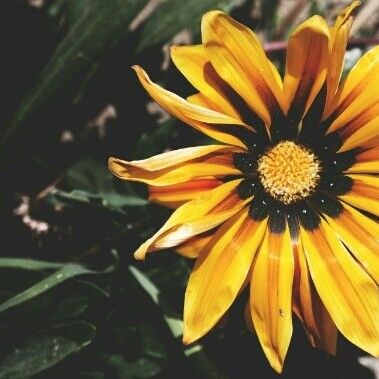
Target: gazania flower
x=287, y=202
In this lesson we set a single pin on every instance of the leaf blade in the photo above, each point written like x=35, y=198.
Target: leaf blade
x=68, y=271
x=100, y=27
x=52, y=347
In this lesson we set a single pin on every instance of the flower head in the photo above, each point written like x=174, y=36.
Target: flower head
x=288, y=201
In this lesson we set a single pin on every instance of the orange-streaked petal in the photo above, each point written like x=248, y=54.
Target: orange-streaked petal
x=357, y=94
x=177, y=166
x=339, y=35
x=194, y=64
x=270, y=296
x=195, y=217
x=363, y=135
x=364, y=193
x=238, y=57
x=219, y=274
x=367, y=162
x=307, y=63
x=175, y=195
x=214, y=124
x=359, y=120
x=361, y=235
x=307, y=305
x=347, y=291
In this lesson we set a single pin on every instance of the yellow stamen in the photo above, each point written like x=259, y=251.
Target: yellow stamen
x=289, y=172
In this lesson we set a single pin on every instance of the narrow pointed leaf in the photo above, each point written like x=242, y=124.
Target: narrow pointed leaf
x=68, y=271
x=101, y=26
x=43, y=351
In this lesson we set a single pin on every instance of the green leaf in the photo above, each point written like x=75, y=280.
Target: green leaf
x=71, y=307
x=152, y=345
x=111, y=200
x=175, y=324
x=45, y=350
x=94, y=287
x=68, y=271
x=28, y=264
x=195, y=353
x=141, y=368
x=65, y=13
x=156, y=141
x=175, y=15
x=75, y=9
x=90, y=182
x=269, y=15
x=93, y=375
x=96, y=32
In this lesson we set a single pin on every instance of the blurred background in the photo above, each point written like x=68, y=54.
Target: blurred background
x=73, y=302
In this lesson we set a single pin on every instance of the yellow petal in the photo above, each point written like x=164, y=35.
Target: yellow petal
x=214, y=124
x=238, y=57
x=320, y=328
x=360, y=119
x=361, y=235
x=219, y=274
x=177, y=194
x=201, y=100
x=349, y=294
x=193, y=247
x=367, y=161
x=363, y=136
x=342, y=18
x=364, y=194
x=270, y=296
x=307, y=63
x=357, y=94
x=195, y=217
x=177, y=166
x=277, y=78
x=339, y=35
x=194, y=64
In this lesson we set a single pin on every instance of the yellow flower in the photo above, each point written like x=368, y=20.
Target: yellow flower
x=288, y=202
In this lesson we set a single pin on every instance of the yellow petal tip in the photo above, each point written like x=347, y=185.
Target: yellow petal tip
x=118, y=168
x=210, y=18
x=187, y=340
x=173, y=52
x=173, y=48
x=111, y=163
x=212, y=13
x=275, y=362
x=140, y=72
x=139, y=257
x=140, y=253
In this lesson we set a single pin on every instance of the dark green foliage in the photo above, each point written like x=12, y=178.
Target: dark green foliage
x=98, y=26
x=174, y=15
x=73, y=301
x=43, y=351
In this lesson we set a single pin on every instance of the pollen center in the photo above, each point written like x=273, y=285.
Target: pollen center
x=289, y=172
